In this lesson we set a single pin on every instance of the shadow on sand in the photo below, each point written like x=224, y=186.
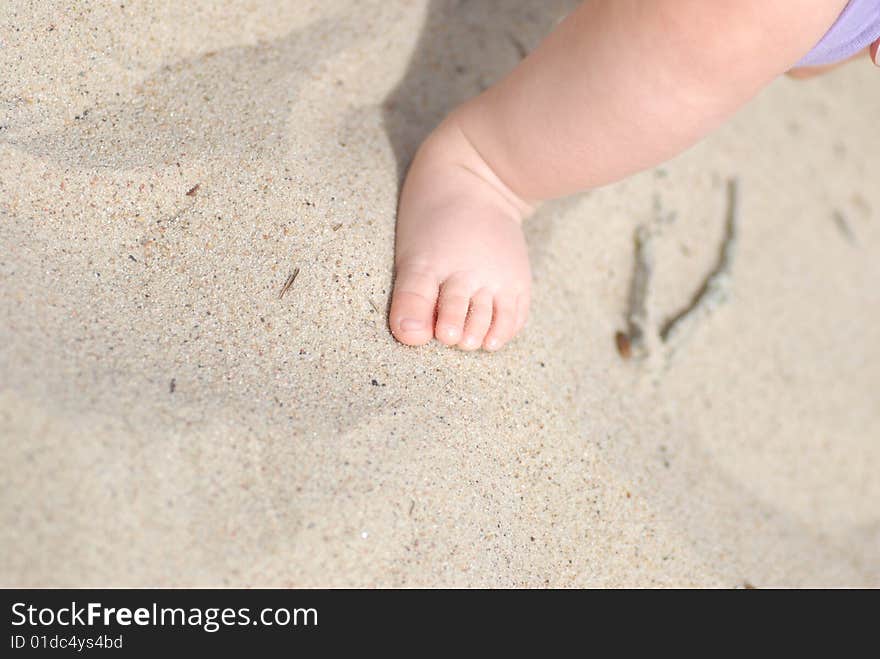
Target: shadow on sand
x=465, y=46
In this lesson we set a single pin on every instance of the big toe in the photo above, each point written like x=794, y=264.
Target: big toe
x=412, y=306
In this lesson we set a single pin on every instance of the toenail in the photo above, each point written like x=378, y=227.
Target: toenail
x=492, y=344
x=470, y=342
x=411, y=325
x=450, y=331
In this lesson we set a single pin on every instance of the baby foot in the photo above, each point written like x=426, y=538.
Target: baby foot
x=461, y=263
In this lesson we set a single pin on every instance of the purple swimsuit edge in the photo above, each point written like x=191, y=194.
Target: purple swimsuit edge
x=857, y=27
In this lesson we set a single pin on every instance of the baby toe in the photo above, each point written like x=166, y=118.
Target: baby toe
x=412, y=306
x=452, y=309
x=478, y=320
x=503, y=323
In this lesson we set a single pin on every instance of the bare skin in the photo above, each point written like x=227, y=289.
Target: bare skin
x=618, y=87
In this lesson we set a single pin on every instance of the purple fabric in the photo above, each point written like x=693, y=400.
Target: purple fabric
x=856, y=28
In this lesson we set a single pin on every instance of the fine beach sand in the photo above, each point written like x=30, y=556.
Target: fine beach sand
x=167, y=419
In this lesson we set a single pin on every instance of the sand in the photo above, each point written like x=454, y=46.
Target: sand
x=168, y=419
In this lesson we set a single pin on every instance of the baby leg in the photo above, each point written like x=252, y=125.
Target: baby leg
x=619, y=86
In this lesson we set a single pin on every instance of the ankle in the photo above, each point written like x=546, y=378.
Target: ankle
x=455, y=144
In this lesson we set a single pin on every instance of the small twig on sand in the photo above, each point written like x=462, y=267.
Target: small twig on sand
x=714, y=290
x=641, y=337
x=288, y=283
x=633, y=342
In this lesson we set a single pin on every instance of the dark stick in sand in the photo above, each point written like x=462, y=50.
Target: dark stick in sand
x=288, y=283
